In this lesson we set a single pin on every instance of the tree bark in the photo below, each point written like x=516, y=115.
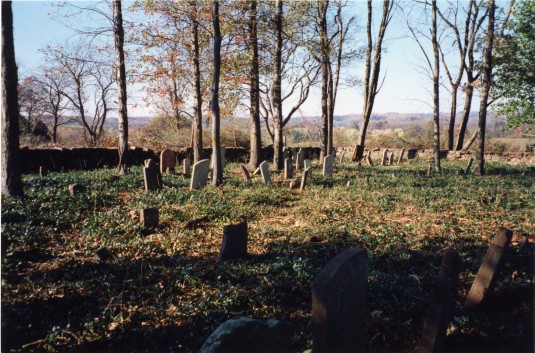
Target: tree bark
x=485, y=90
x=217, y=178
x=11, y=180
x=197, y=95
x=436, y=83
x=122, y=125
x=254, y=91
x=276, y=90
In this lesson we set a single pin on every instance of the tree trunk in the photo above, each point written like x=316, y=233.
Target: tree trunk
x=197, y=95
x=11, y=179
x=453, y=114
x=485, y=90
x=254, y=92
x=122, y=125
x=276, y=91
x=217, y=178
x=466, y=115
x=436, y=98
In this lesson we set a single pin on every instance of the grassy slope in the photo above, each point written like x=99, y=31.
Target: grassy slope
x=165, y=290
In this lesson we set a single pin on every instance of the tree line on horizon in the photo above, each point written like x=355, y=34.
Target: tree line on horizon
x=198, y=60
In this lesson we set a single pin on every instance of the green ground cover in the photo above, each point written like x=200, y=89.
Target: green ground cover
x=165, y=290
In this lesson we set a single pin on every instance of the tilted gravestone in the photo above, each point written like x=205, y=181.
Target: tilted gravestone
x=199, y=178
x=151, y=176
x=487, y=275
x=234, y=242
x=400, y=158
x=264, y=170
x=150, y=217
x=339, y=294
x=300, y=159
x=186, y=167
x=288, y=169
x=441, y=306
x=167, y=160
x=328, y=165
x=304, y=178
x=245, y=171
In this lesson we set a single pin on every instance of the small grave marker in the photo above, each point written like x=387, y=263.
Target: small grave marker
x=300, y=159
x=245, y=172
x=151, y=176
x=304, y=179
x=150, y=217
x=339, y=294
x=199, y=178
x=307, y=164
x=167, y=160
x=264, y=170
x=342, y=155
x=186, y=167
x=234, y=242
x=369, y=158
x=400, y=158
x=391, y=158
x=383, y=159
x=487, y=275
x=328, y=165
x=288, y=169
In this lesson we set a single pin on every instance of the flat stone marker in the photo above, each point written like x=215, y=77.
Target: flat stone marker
x=150, y=217
x=328, y=165
x=245, y=171
x=383, y=159
x=234, y=242
x=186, y=167
x=288, y=169
x=339, y=294
x=151, y=176
x=199, y=178
x=487, y=275
x=264, y=170
x=300, y=159
x=304, y=178
x=76, y=189
x=469, y=166
x=167, y=160
x=441, y=306
x=400, y=158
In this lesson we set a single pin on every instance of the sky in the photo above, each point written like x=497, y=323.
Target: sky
x=405, y=88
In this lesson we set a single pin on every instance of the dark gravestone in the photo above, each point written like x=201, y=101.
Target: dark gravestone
x=151, y=176
x=150, y=217
x=383, y=159
x=234, y=242
x=76, y=189
x=441, y=306
x=288, y=169
x=339, y=310
x=167, y=160
x=488, y=271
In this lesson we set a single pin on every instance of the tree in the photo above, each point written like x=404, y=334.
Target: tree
x=254, y=88
x=372, y=71
x=217, y=177
x=276, y=90
x=514, y=77
x=120, y=70
x=11, y=184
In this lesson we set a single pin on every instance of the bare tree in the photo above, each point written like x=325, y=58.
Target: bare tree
x=197, y=95
x=254, y=89
x=217, y=177
x=11, y=180
x=276, y=89
x=53, y=82
x=436, y=86
x=372, y=71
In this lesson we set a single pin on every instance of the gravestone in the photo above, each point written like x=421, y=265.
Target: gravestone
x=76, y=189
x=400, y=158
x=245, y=172
x=288, y=169
x=264, y=170
x=339, y=294
x=383, y=159
x=234, y=242
x=441, y=306
x=342, y=155
x=469, y=166
x=391, y=159
x=151, y=176
x=199, y=178
x=167, y=160
x=307, y=164
x=369, y=158
x=186, y=167
x=304, y=178
x=150, y=217
x=487, y=275
x=328, y=165
x=300, y=159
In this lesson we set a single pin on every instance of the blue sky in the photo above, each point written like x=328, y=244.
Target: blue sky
x=405, y=90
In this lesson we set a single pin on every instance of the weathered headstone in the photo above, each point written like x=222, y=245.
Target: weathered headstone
x=245, y=172
x=441, y=305
x=300, y=159
x=400, y=158
x=234, y=242
x=288, y=169
x=186, y=167
x=151, y=176
x=328, y=165
x=339, y=294
x=76, y=189
x=199, y=178
x=167, y=160
x=150, y=217
x=469, y=166
x=304, y=178
x=307, y=164
x=488, y=271
x=264, y=170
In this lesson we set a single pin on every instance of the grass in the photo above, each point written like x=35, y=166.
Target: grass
x=165, y=290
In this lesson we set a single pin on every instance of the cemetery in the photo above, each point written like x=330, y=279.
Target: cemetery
x=332, y=256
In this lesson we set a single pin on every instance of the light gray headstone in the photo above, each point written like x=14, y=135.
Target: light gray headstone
x=186, y=166
x=304, y=178
x=328, y=165
x=307, y=164
x=264, y=170
x=167, y=160
x=288, y=169
x=199, y=178
x=300, y=159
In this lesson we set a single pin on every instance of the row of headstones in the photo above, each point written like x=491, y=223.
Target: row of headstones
x=339, y=304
